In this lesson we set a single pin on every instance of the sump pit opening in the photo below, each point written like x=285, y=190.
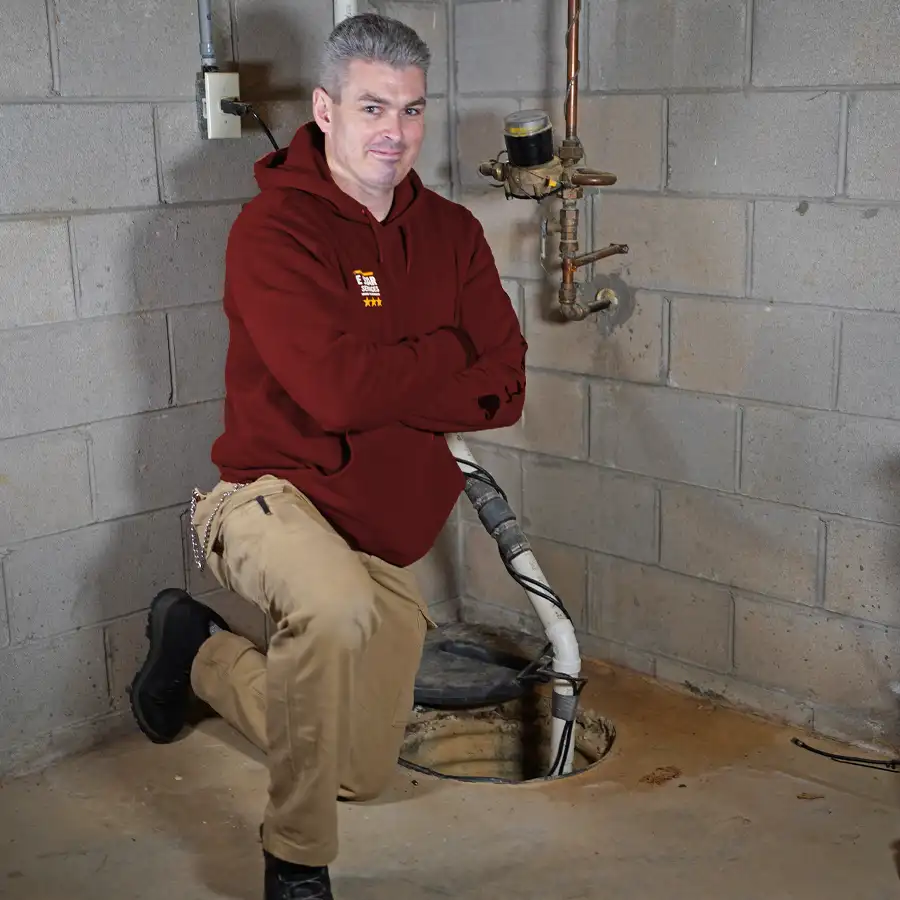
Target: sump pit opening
x=507, y=743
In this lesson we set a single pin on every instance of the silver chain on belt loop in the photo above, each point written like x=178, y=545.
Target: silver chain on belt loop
x=200, y=552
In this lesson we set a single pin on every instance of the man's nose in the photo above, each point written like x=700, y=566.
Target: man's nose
x=392, y=128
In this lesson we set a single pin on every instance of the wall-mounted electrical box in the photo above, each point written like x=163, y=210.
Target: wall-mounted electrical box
x=215, y=87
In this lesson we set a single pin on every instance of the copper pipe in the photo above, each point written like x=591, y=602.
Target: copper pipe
x=592, y=178
x=572, y=69
x=576, y=262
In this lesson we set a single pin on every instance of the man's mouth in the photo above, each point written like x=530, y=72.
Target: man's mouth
x=386, y=154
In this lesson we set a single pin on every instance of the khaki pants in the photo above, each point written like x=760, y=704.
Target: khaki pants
x=330, y=702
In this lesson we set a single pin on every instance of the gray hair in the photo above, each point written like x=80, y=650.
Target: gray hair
x=371, y=38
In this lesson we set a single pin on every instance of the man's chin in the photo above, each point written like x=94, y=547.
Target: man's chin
x=388, y=175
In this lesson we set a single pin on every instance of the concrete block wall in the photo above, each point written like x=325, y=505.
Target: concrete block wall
x=709, y=485
x=113, y=221
x=712, y=484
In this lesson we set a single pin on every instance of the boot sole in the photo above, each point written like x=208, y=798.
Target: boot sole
x=156, y=623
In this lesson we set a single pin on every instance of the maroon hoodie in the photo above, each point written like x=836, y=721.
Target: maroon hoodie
x=356, y=344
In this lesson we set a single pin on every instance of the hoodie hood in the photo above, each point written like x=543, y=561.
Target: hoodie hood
x=302, y=166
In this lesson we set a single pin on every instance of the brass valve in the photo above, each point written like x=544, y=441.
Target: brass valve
x=533, y=170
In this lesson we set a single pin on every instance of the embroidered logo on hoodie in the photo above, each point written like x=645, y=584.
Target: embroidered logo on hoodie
x=368, y=287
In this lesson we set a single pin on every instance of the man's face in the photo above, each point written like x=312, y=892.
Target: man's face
x=375, y=130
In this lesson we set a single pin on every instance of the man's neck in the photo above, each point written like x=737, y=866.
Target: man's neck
x=378, y=203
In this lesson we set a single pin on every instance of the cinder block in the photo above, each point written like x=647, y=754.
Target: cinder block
x=100, y=54
x=869, y=380
x=194, y=169
x=37, y=754
x=429, y=21
x=36, y=283
x=814, y=655
x=823, y=461
x=617, y=654
x=4, y=618
x=660, y=44
x=749, y=544
x=438, y=572
x=493, y=38
x=513, y=231
x=872, y=146
x=584, y=506
x=479, y=133
x=155, y=460
x=505, y=466
x=867, y=727
x=58, y=375
x=126, y=646
x=825, y=42
x=766, y=352
x=478, y=612
x=632, y=351
x=736, y=143
x=487, y=579
x=90, y=575
x=51, y=684
x=862, y=571
x=732, y=692
x=433, y=164
x=822, y=254
x=200, y=340
x=661, y=612
x=60, y=157
x=664, y=433
x=279, y=45
x=25, y=50
x=554, y=420
x=675, y=244
x=44, y=485
x=128, y=262
x=623, y=135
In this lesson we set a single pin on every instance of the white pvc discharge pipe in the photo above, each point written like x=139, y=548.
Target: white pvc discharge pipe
x=559, y=628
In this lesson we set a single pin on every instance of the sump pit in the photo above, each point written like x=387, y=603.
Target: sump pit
x=506, y=743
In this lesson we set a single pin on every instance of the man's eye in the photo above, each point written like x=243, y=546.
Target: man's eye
x=414, y=111
x=371, y=109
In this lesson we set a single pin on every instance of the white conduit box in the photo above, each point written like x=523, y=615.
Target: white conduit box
x=217, y=87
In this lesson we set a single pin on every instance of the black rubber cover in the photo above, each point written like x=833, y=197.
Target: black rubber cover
x=467, y=666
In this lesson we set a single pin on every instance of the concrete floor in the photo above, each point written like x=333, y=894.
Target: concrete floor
x=749, y=816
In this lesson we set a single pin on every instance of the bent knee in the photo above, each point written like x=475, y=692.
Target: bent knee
x=344, y=617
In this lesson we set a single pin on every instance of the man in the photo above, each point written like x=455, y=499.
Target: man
x=366, y=320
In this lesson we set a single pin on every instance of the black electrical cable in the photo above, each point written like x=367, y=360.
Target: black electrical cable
x=888, y=765
x=265, y=128
x=237, y=108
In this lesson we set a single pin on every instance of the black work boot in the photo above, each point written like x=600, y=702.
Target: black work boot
x=288, y=881
x=161, y=691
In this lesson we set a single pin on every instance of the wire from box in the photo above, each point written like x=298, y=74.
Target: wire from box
x=234, y=107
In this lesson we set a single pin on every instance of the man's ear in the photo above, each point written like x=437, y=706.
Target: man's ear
x=322, y=109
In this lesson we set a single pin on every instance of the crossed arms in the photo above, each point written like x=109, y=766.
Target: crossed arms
x=466, y=377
